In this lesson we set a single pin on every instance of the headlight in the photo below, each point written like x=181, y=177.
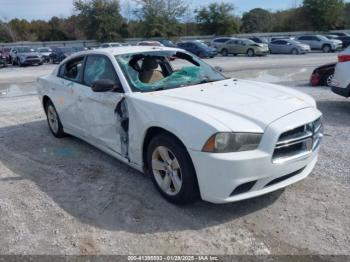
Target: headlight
x=232, y=142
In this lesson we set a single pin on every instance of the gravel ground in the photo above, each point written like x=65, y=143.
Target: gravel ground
x=62, y=196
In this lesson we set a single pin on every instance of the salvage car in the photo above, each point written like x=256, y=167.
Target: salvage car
x=288, y=46
x=323, y=75
x=341, y=80
x=196, y=132
x=24, y=55
x=243, y=46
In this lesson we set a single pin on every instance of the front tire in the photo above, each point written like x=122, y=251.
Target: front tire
x=328, y=79
x=250, y=53
x=326, y=49
x=53, y=120
x=172, y=170
x=295, y=51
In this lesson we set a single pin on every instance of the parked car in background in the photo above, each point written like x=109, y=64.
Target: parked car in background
x=288, y=46
x=345, y=40
x=340, y=34
x=24, y=55
x=167, y=43
x=331, y=37
x=218, y=42
x=195, y=133
x=259, y=40
x=198, y=48
x=3, y=62
x=320, y=42
x=243, y=46
x=279, y=38
x=323, y=75
x=106, y=45
x=150, y=43
x=341, y=79
x=60, y=53
x=45, y=52
x=6, y=53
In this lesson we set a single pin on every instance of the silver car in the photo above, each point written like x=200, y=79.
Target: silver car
x=288, y=46
x=24, y=55
x=320, y=42
x=219, y=42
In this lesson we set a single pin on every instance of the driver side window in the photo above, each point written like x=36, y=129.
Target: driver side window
x=99, y=67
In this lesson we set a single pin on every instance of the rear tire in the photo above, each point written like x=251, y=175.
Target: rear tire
x=172, y=170
x=54, y=120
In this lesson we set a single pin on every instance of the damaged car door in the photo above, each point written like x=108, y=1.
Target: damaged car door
x=104, y=109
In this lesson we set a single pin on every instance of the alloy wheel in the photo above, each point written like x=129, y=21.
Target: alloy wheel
x=166, y=170
x=53, y=119
x=329, y=80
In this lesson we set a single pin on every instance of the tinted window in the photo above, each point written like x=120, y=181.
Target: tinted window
x=99, y=67
x=279, y=42
x=221, y=40
x=71, y=69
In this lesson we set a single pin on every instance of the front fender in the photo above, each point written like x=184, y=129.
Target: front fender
x=192, y=128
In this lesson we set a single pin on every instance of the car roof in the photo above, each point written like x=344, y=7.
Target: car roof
x=127, y=50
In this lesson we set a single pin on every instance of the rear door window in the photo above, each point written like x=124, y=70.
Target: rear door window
x=71, y=70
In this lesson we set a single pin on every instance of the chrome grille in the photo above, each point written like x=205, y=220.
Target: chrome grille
x=298, y=142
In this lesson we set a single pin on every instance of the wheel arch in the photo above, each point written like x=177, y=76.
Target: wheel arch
x=45, y=99
x=152, y=132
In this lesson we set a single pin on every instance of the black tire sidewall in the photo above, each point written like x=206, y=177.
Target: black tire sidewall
x=324, y=48
x=250, y=51
x=189, y=190
x=60, y=133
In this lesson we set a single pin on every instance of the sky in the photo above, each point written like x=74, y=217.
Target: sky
x=45, y=9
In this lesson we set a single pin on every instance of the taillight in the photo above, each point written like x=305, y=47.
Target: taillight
x=343, y=58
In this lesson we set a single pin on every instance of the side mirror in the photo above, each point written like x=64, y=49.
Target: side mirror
x=105, y=85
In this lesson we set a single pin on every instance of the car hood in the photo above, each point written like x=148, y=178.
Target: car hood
x=259, y=103
x=336, y=41
x=304, y=46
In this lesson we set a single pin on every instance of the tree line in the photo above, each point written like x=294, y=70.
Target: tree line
x=102, y=20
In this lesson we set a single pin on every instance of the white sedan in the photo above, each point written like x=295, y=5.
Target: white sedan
x=341, y=80
x=198, y=134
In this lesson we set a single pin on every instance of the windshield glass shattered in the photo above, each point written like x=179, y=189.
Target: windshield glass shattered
x=160, y=70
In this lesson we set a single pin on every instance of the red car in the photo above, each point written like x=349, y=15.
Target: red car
x=6, y=54
x=322, y=75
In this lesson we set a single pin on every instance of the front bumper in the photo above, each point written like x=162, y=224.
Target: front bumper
x=32, y=61
x=220, y=175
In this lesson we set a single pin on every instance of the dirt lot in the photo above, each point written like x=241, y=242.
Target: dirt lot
x=62, y=196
